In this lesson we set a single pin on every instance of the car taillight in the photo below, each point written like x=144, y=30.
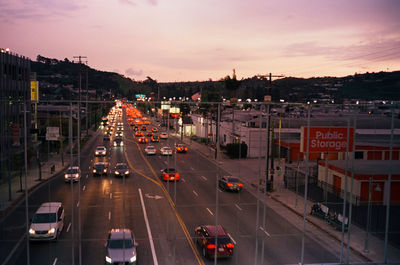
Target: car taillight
x=240, y=184
x=229, y=184
x=230, y=245
x=210, y=246
x=185, y=148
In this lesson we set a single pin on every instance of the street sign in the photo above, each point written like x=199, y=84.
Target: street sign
x=52, y=133
x=34, y=91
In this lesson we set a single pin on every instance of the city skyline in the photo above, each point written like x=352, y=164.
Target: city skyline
x=192, y=40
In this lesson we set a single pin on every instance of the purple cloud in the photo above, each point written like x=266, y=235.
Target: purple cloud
x=38, y=10
x=131, y=72
x=127, y=2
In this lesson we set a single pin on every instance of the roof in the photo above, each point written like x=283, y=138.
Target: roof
x=212, y=229
x=120, y=233
x=49, y=207
x=366, y=167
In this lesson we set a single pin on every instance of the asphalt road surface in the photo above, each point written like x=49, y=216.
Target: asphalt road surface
x=162, y=215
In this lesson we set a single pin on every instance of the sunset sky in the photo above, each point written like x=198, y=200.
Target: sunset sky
x=189, y=40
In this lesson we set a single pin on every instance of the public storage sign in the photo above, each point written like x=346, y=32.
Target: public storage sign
x=327, y=139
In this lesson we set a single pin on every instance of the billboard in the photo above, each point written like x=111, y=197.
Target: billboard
x=52, y=133
x=327, y=139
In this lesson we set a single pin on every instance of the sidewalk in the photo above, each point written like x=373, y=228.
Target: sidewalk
x=250, y=170
x=49, y=169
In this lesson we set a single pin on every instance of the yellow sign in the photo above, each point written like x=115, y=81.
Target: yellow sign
x=34, y=90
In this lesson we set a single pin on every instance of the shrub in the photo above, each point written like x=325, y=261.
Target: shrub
x=234, y=149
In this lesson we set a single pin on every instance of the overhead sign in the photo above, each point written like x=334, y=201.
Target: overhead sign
x=174, y=110
x=327, y=139
x=34, y=90
x=165, y=105
x=52, y=133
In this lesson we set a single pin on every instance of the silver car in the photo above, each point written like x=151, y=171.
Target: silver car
x=121, y=247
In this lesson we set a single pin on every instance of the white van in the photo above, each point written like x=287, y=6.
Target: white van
x=48, y=222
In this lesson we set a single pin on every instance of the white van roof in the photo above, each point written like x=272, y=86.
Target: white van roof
x=49, y=207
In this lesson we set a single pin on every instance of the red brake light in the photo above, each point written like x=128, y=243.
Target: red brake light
x=185, y=148
x=230, y=245
x=229, y=184
x=240, y=184
x=210, y=246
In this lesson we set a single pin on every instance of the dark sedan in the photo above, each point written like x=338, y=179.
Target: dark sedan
x=121, y=169
x=230, y=183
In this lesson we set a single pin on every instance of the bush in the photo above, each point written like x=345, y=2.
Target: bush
x=233, y=150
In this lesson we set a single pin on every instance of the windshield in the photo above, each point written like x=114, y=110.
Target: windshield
x=99, y=166
x=121, y=167
x=119, y=243
x=220, y=240
x=234, y=180
x=41, y=218
x=72, y=171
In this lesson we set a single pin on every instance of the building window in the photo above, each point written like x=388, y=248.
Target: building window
x=359, y=155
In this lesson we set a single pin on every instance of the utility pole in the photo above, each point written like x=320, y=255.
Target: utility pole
x=79, y=156
x=87, y=95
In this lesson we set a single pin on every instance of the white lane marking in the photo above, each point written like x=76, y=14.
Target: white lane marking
x=69, y=226
x=237, y=206
x=204, y=178
x=183, y=180
x=110, y=182
x=165, y=162
x=55, y=261
x=77, y=205
x=109, y=215
x=11, y=253
x=209, y=211
x=110, y=195
x=192, y=168
x=219, y=190
x=195, y=193
x=84, y=187
x=153, y=251
x=262, y=229
x=233, y=240
x=87, y=175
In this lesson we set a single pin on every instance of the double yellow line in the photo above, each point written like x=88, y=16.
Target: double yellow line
x=157, y=181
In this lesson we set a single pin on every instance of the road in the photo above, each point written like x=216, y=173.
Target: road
x=173, y=210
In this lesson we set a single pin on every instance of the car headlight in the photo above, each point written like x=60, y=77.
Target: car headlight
x=51, y=231
x=66, y=176
x=96, y=153
x=105, y=170
x=76, y=176
x=115, y=144
x=31, y=231
x=122, y=143
x=133, y=259
x=108, y=259
x=127, y=172
x=94, y=170
x=116, y=172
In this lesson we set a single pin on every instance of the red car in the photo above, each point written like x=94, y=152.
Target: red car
x=143, y=140
x=169, y=174
x=206, y=235
x=139, y=134
x=181, y=148
x=149, y=134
